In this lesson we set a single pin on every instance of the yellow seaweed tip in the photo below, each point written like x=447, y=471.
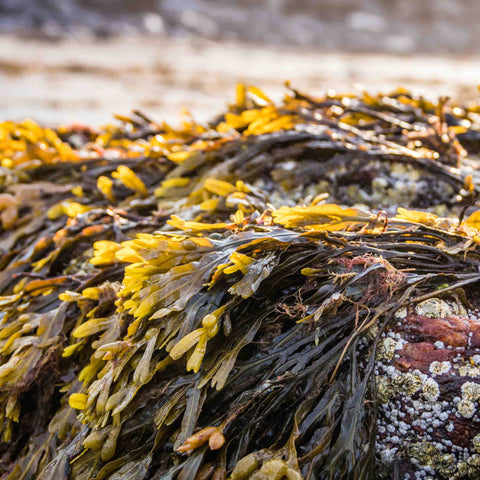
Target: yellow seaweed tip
x=105, y=185
x=78, y=401
x=130, y=179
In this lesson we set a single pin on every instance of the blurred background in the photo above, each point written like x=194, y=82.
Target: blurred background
x=82, y=60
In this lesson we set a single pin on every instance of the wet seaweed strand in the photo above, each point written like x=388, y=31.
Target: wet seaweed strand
x=167, y=294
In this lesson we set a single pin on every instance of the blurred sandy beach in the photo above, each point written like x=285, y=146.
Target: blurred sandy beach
x=67, y=81
x=75, y=60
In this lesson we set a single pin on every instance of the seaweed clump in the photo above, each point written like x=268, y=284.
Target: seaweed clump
x=214, y=302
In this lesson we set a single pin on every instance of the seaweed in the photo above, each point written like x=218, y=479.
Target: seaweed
x=207, y=301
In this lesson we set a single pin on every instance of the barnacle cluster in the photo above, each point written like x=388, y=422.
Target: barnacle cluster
x=257, y=298
x=425, y=394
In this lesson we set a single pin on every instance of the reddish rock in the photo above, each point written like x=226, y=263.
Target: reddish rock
x=419, y=356
x=451, y=331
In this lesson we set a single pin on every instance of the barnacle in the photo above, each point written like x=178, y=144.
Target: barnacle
x=430, y=390
x=228, y=300
x=466, y=408
x=412, y=383
x=471, y=391
x=434, y=308
x=386, y=349
x=440, y=368
x=384, y=389
x=476, y=443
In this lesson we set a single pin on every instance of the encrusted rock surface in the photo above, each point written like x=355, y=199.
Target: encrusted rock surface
x=428, y=386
